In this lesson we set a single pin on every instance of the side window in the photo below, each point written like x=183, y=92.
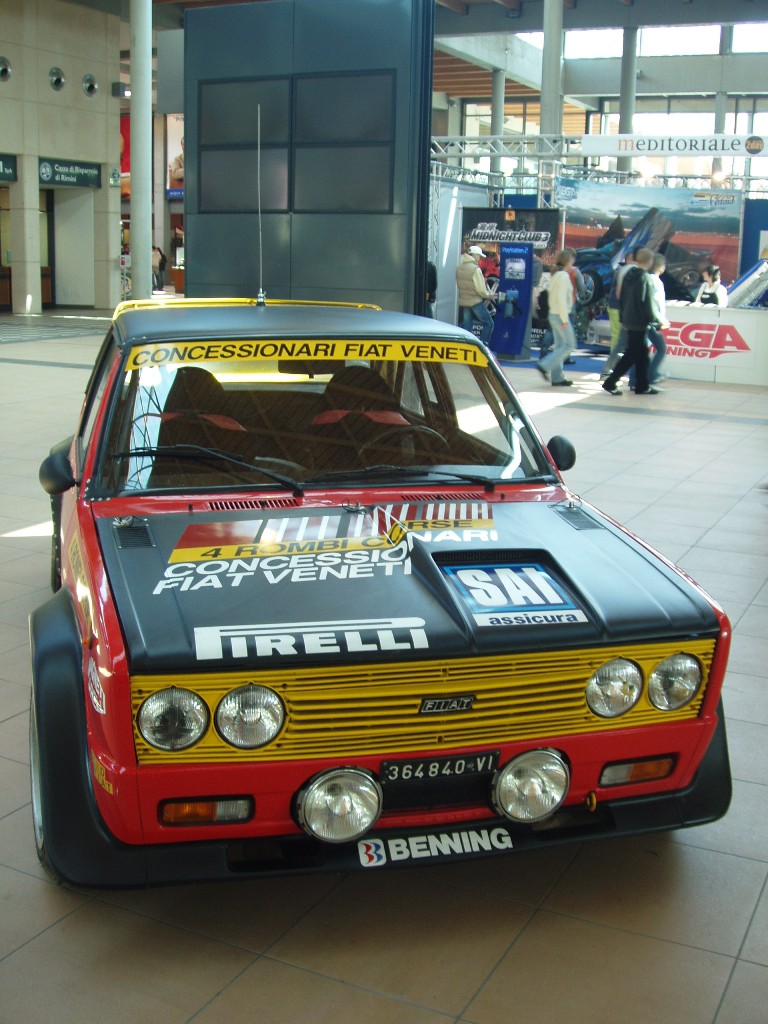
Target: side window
x=95, y=393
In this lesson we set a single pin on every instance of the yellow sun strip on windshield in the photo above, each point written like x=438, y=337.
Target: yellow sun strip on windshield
x=164, y=354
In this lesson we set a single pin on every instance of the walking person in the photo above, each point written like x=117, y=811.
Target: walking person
x=560, y=306
x=473, y=293
x=636, y=313
x=618, y=334
x=655, y=337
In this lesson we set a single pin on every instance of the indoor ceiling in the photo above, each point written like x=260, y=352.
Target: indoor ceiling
x=463, y=79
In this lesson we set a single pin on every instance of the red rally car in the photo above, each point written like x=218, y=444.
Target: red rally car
x=322, y=600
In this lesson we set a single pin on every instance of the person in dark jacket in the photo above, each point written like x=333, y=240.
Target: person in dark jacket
x=637, y=312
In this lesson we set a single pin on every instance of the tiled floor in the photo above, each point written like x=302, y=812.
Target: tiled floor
x=672, y=928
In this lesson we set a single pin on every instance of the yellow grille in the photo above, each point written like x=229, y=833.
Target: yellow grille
x=351, y=711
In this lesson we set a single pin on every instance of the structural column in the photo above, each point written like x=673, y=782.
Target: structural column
x=141, y=148
x=497, y=114
x=24, y=196
x=552, y=69
x=721, y=96
x=628, y=91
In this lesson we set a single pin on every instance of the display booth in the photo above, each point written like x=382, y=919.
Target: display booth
x=722, y=345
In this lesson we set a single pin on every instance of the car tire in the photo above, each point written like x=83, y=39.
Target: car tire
x=72, y=840
x=594, y=288
x=38, y=788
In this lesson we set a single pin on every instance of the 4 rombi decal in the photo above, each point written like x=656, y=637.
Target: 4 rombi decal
x=306, y=549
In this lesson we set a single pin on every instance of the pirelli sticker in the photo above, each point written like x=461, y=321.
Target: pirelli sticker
x=178, y=353
x=514, y=595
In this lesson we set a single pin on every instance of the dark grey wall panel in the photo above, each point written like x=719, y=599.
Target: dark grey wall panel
x=231, y=254
x=344, y=177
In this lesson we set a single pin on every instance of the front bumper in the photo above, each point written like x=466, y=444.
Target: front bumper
x=94, y=857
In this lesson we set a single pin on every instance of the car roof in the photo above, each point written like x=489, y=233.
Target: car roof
x=145, y=320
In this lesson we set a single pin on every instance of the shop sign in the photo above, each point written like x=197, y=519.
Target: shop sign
x=7, y=167
x=69, y=172
x=673, y=145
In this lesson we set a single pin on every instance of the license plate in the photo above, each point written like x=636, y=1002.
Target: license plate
x=424, y=769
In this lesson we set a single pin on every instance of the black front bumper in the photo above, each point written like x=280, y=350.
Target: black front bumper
x=92, y=857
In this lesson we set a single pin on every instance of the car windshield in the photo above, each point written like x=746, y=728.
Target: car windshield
x=211, y=415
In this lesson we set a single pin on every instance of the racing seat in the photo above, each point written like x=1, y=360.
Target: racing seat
x=195, y=413
x=359, y=409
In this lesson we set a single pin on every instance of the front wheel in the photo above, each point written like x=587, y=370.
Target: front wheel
x=37, y=786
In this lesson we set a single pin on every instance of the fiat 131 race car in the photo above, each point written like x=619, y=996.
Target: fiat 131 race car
x=323, y=601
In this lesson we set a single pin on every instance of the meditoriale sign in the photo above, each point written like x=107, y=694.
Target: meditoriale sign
x=673, y=145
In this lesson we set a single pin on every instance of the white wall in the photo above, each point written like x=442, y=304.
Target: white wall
x=74, y=247
x=38, y=121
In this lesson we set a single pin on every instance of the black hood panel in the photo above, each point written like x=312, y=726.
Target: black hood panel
x=241, y=590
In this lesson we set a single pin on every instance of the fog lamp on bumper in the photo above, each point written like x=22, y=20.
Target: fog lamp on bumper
x=532, y=786
x=339, y=805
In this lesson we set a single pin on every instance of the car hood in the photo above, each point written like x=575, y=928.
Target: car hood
x=240, y=590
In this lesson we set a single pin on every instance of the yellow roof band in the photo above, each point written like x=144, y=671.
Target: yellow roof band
x=186, y=352
x=130, y=305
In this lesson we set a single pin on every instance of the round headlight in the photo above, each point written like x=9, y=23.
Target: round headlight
x=614, y=688
x=339, y=805
x=173, y=719
x=250, y=716
x=674, y=682
x=532, y=786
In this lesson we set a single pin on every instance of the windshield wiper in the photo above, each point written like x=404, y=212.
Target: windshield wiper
x=201, y=453
x=447, y=474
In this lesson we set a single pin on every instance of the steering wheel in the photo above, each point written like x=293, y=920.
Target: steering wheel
x=429, y=439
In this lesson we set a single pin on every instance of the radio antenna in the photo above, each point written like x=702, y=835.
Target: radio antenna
x=261, y=298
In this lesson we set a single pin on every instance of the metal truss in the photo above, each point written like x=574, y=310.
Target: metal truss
x=538, y=160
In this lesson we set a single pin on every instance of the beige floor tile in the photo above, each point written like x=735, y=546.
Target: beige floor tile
x=404, y=937
x=745, y=697
x=14, y=732
x=30, y=906
x=14, y=699
x=103, y=963
x=15, y=665
x=524, y=877
x=288, y=995
x=14, y=793
x=748, y=742
x=17, y=845
x=756, y=944
x=743, y=831
x=426, y=945
x=252, y=914
x=746, y=999
x=738, y=563
x=566, y=970
x=651, y=886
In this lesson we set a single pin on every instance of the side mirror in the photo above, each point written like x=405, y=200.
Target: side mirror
x=562, y=452
x=55, y=474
